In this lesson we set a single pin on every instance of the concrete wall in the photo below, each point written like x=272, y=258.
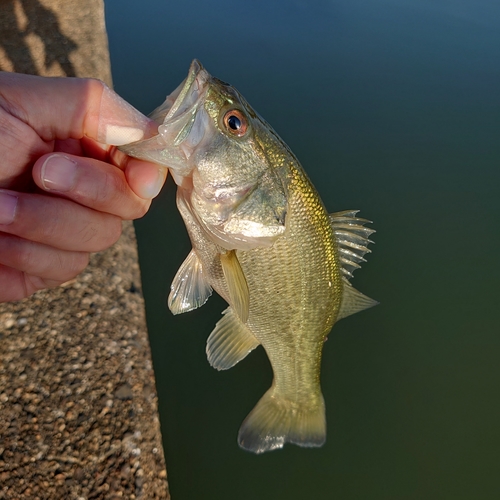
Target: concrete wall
x=78, y=405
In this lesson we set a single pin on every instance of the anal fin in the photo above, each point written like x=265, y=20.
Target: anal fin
x=229, y=342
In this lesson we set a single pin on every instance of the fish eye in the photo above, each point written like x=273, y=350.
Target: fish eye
x=235, y=122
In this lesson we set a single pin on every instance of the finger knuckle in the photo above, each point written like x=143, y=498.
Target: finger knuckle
x=26, y=256
x=100, y=234
x=76, y=264
x=115, y=230
x=111, y=233
x=109, y=187
x=89, y=236
x=65, y=266
x=33, y=284
x=50, y=230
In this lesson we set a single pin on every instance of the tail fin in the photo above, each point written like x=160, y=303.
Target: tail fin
x=275, y=421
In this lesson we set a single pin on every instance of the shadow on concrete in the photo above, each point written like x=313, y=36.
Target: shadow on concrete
x=24, y=18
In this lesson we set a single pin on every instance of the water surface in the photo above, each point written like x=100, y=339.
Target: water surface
x=393, y=108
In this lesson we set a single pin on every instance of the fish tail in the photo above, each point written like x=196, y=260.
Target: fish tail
x=275, y=421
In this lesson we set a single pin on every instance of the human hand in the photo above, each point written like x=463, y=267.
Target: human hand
x=64, y=190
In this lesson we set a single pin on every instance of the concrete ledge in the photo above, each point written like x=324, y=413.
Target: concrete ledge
x=78, y=405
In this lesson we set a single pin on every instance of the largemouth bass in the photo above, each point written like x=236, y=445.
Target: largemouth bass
x=263, y=240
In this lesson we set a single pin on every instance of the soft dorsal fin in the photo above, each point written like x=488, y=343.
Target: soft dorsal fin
x=229, y=342
x=352, y=239
x=189, y=289
x=236, y=284
x=353, y=301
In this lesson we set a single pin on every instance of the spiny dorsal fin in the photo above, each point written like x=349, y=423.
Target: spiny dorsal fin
x=189, y=288
x=352, y=239
x=353, y=301
x=236, y=284
x=229, y=342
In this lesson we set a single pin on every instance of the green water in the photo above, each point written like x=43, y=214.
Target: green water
x=393, y=107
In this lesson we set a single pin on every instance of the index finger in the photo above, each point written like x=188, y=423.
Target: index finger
x=71, y=108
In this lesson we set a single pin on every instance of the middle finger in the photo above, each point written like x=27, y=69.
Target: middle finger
x=57, y=222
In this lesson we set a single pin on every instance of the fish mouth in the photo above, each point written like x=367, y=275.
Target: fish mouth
x=186, y=96
x=182, y=124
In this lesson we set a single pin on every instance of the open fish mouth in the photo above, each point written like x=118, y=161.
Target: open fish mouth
x=186, y=96
x=181, y=121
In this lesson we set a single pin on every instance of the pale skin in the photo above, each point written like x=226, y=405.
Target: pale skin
x=64, y=188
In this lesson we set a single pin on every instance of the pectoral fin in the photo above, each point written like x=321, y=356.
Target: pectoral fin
x=190, y=288
x=236, y=284
x=229, y=342
x=353, y=301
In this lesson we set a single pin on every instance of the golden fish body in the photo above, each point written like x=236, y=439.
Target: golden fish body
x=295, y=292
x=264, y=241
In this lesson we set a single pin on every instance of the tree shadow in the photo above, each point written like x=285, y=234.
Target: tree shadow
x=38, y=20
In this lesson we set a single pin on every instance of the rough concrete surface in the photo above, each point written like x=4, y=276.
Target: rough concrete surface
x=78, y=405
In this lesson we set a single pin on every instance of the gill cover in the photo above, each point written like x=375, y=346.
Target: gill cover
x=207, y=137
x=181, y=126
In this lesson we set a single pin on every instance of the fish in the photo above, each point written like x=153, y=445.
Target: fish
x=263, y=240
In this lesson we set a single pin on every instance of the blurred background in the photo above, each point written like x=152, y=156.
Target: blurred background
x=393, y=108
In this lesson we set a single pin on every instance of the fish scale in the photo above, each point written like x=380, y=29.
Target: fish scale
x=289, y=302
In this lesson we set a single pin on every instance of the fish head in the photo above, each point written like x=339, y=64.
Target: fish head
x=227, y=160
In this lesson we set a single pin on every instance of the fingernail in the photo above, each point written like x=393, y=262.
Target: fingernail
x=8, y=206
x=58, y=173
x=118, y=135
x=120, y=123
x=151, y=190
